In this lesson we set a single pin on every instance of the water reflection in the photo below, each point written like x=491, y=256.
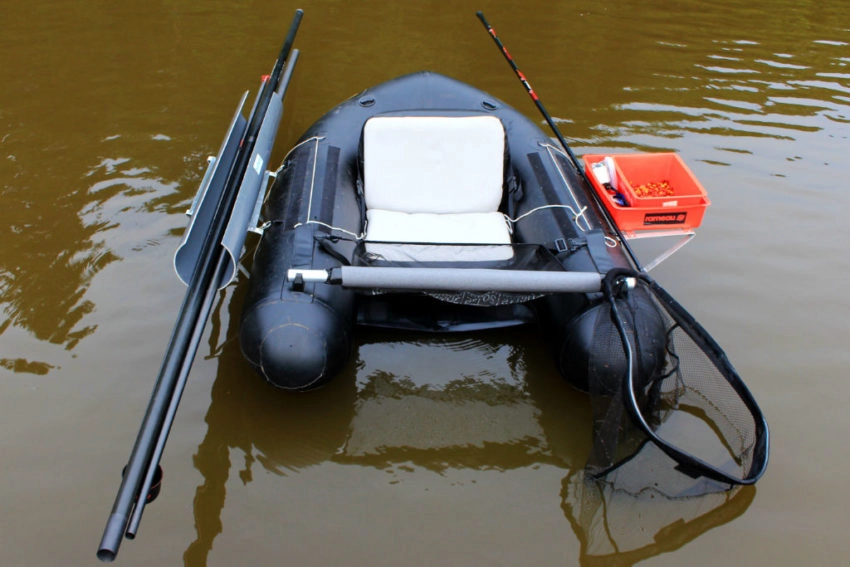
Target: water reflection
x=470, y=407
x=441, y=403
x=48, y=237
x=56, y=247
x=84, y=163
x=619, y=526
x=281, y=433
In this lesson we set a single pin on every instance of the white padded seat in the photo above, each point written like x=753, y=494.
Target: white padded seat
x=435, y=179
x=458, y=228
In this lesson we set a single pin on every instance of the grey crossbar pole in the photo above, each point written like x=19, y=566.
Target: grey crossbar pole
x=466, y=279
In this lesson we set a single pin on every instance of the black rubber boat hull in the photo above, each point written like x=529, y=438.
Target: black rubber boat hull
x=298, y=337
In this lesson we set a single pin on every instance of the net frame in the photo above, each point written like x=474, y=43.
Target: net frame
x=616, y=284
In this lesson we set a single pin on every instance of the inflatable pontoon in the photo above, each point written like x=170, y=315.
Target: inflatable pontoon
x=440, y=208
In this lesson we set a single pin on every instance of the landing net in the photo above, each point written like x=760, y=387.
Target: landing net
x=676, y=390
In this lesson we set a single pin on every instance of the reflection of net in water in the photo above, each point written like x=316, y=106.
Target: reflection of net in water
x=628, y=518
x=688, y=400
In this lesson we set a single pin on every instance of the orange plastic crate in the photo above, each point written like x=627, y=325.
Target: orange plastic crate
x=683, y=209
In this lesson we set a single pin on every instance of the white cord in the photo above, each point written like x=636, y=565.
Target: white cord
x=357, y=237
x=550, y=148
x=576, y=215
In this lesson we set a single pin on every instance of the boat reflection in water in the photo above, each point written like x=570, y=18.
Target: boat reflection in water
x=488, y=402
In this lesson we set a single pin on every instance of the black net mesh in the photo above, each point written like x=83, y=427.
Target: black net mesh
x=676, y=389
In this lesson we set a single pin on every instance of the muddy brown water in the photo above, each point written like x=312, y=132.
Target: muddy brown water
x=460, y=450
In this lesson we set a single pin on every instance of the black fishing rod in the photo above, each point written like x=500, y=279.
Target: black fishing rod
x=611, y=223
x=191, y=319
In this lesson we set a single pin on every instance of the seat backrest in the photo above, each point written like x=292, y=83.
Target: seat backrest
x=433, y=164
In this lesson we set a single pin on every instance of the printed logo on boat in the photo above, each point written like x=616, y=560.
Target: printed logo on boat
x=665, y=218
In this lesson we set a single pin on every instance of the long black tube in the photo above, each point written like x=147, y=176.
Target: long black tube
x=178, y=354
x=560, y=137
x=180, y=385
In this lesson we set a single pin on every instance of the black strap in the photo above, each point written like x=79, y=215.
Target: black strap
x=598, y=250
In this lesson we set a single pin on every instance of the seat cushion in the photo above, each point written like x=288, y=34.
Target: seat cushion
x=465, y=228
x=462, y=228
x=433, y=164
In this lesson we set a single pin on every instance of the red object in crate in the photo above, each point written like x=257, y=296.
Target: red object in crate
x=684, y=208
